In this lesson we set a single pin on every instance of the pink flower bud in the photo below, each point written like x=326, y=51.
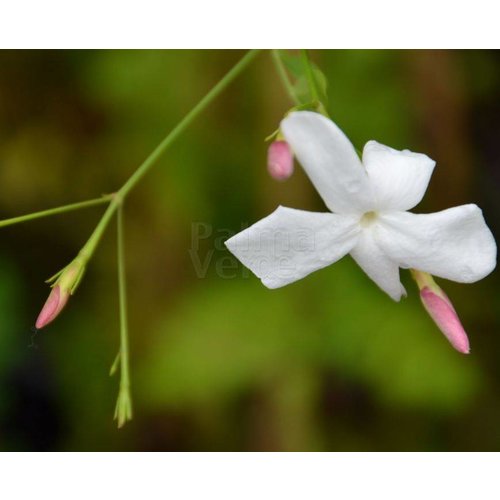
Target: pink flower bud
x=54, y=305
x=444, y=315
x=441, y=310
x=66, y=283
x=280, y=160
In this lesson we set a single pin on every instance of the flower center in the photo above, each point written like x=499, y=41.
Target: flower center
x=368, y=219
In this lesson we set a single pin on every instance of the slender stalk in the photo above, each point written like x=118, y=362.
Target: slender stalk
x=187, y=120
x=310, y=75
x=88, y=249
x=121, y=194
x=57, y=210
x=123, y=411
x=285, y=79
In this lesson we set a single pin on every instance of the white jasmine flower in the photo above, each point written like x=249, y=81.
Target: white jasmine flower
x=369, y=220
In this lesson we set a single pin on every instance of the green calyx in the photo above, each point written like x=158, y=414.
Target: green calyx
x=69, y=277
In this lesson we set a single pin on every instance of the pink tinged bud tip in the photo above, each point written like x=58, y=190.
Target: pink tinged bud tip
x=52, y=307
x=444, y=315
x=280, y=161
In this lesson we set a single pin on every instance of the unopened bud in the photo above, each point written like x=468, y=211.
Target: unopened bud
x=441, y=310
x=280, y=160
x=52, y=307
x=64, y=286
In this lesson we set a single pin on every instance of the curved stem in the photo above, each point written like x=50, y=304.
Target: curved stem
x=57, y=210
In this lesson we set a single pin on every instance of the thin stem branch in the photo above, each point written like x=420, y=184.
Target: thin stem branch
x=123, y=296
x=310, y=75
x=57, y=210
x=121, y=194
x=123, y=411
x=285, y=79
x=88, y=249
x=187, y=120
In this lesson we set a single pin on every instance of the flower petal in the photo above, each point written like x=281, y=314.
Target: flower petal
x=455, y=244
x=380, y=268
x=330, y=161
x=398, y=178
x=290, y=244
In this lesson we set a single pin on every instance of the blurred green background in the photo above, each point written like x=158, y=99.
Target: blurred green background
x=219, y=362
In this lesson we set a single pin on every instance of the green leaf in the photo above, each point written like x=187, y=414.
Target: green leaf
x=295, y=66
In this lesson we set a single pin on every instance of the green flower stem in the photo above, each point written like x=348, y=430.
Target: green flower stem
x=89, y=248
x=55, y=211
x=187, y=120
x=310, y=75
x=123, y=411
x=285, y=79
x=120, y=195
